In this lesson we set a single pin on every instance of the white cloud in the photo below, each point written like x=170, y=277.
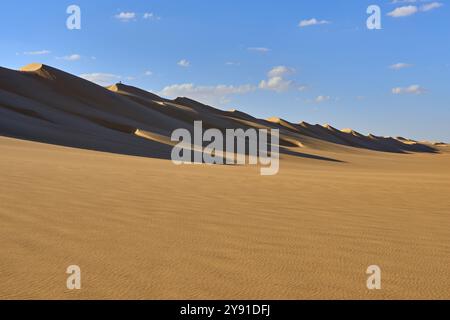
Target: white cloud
x=403, y=11
x=36, y=53
x=148, y=73
x=312, y=22
x=151, y=16
x=277, y=84
x=72, y=57
x=320, y=99
x=409, y=10
x=207, y=94
x=280, y=71
x=302, y=88
x=403, y=1
x=184, y=63
x=186, y=89
x=400, y=65
x=431, y=6
x=102, y=79
x=276, y=79
x=125, y=16
x=231, y=63
x=259, y=49
x=413, y=89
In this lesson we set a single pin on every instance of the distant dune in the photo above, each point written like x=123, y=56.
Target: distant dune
x=140, y=227
x=41, y=103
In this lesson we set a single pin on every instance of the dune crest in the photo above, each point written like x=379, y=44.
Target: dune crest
x=42, y=103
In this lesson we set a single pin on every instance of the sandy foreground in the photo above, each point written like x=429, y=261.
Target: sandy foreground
x=143, y=228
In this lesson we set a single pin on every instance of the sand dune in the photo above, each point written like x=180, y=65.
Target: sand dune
x=44, y=104
x=141, y=227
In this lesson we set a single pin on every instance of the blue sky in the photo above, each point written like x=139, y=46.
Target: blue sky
x=299, y=60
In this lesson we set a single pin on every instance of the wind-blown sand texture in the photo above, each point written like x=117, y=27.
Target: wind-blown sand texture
x=141, y=227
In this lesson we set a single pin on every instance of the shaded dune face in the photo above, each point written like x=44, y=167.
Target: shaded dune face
x=41, y=103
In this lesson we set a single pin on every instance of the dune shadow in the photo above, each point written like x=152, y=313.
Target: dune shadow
x=308, y=156
x=141, y=148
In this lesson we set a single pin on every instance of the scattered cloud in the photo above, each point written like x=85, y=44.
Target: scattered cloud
x=277, y=84
x=276, y=79
x=150, y=16
x=320, y=99
x=259, y=49
x=37, y=53
x=413, y=89
x=400, y=65
x=231, y=63
x=280, y=71
x=431, y=6
x=312, y=22
x=403, y=1
x=132, y=16
x=208, y=94
x=102, y=79
x=303, y=88
x=409, y=10
x=184, y=63
x=148, y=73
x=403, y=11
x=125, y=16
x=72, y=57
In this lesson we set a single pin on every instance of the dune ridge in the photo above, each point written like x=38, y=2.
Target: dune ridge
x=41, y=103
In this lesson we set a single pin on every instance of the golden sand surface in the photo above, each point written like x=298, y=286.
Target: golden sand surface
x=144, y=228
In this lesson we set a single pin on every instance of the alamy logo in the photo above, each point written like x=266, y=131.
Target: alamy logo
x=237, y=142
x=374, y=20
x=74, y=280
x=73, y=22
x=374, y=280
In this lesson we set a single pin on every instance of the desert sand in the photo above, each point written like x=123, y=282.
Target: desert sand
x=81, y=185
